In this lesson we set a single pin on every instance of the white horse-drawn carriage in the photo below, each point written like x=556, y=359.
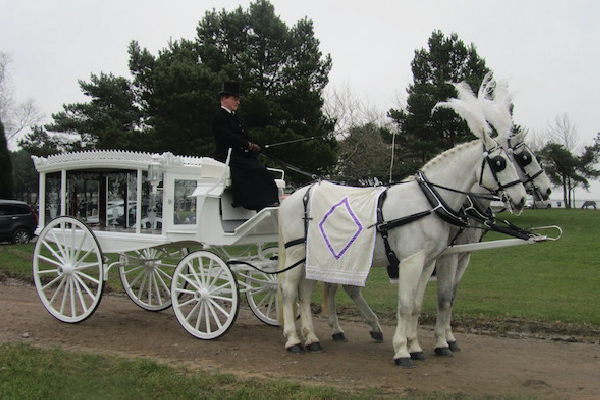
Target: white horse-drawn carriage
x=149, y=229
x=166, y=222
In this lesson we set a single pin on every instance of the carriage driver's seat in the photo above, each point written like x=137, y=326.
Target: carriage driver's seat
x=215, y=181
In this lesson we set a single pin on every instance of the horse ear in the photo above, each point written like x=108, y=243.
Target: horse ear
x=488, y=141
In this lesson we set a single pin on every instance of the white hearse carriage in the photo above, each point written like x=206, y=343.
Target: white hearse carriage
x=166, y=222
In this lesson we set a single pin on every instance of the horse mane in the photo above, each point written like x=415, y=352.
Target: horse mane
x=447, y=153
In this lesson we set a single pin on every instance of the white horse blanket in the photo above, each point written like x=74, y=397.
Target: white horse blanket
x=341, y=233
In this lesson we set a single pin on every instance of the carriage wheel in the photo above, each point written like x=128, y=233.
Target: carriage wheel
x=68, y=269
x=205, y=295
x=146, y=276
x=261, y=290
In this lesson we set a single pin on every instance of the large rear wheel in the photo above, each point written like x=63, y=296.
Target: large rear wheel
x=68, y=269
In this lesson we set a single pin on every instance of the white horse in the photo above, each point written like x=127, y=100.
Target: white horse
x=450, y=268
x=416, y=244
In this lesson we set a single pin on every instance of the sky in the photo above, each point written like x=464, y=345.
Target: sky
x=548, y=51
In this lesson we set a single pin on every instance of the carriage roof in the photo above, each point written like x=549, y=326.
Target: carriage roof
x=123, y=159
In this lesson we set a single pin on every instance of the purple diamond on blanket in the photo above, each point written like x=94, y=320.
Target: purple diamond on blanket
x=342, y=210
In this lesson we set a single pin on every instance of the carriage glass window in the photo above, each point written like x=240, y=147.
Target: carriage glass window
x=184, y=205
x=52, y=195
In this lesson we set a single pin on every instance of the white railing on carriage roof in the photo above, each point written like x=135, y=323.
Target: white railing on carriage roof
x=124, y=158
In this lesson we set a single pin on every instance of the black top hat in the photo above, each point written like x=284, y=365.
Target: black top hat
x=231, y=89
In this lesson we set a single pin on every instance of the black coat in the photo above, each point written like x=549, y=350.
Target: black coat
x=253, y=186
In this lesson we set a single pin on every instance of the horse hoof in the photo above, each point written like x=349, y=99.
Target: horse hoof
x=314, y=347
x=339, y=337
x=443, y=352
x=378, y=336
x=417, y=356
x=453, y=346
x=404, y=362
x=296, y=349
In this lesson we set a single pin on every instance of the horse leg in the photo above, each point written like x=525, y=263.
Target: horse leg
x=463, y=263
x=416, y=353
x=446, y=271
x=411, y=269
x=330, y=290
x=305, y=290
x=355, y=294
x=289, y=292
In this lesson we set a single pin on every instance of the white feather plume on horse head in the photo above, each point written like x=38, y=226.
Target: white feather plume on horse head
x=496, y=103
x=468, y=107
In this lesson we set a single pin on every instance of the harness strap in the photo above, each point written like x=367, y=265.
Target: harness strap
x=306, y=218
x=441, y=208
x=383, y=226
x=473, y=208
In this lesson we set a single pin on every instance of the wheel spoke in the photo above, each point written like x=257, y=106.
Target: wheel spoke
x=82, y=283
x=59, y=288
x=54, y=253
x=80, y=294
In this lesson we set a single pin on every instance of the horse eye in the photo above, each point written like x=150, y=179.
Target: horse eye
x=523, y=158
x=498, y=163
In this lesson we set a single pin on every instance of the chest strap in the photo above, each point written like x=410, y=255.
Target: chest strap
x=441, y=208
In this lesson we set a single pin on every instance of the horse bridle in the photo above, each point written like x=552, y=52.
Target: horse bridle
x=496, y=164
x=523, y=159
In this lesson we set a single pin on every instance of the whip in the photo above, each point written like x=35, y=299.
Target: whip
x=266, y=146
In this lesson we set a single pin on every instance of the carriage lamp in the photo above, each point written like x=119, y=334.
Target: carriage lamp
x=154, y=173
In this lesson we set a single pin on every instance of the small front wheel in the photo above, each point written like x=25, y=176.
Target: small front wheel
x=204, y=295
x=68, y=269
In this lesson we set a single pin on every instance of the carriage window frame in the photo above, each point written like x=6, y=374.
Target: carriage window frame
x=184, y=204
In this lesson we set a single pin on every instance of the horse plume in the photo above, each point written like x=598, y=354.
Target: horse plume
x=468, y=107
x=496, y=102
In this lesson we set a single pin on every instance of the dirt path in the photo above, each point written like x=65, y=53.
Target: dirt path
x=487, y=365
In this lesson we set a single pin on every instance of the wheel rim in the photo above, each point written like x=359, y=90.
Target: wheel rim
x=205, y=295
x=21, y=237
x=68, y=270
x=146, y=276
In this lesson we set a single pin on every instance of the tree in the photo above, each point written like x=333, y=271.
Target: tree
x=422, y=134
x=568, y=170
x=42, y=144
x=169, y=103
x=16, y=116
x=283, y=73
x=25, y=177
x=363, y=155
x=109, y=121
x=6, y=182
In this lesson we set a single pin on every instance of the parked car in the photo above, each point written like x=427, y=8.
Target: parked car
x=18, y=221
